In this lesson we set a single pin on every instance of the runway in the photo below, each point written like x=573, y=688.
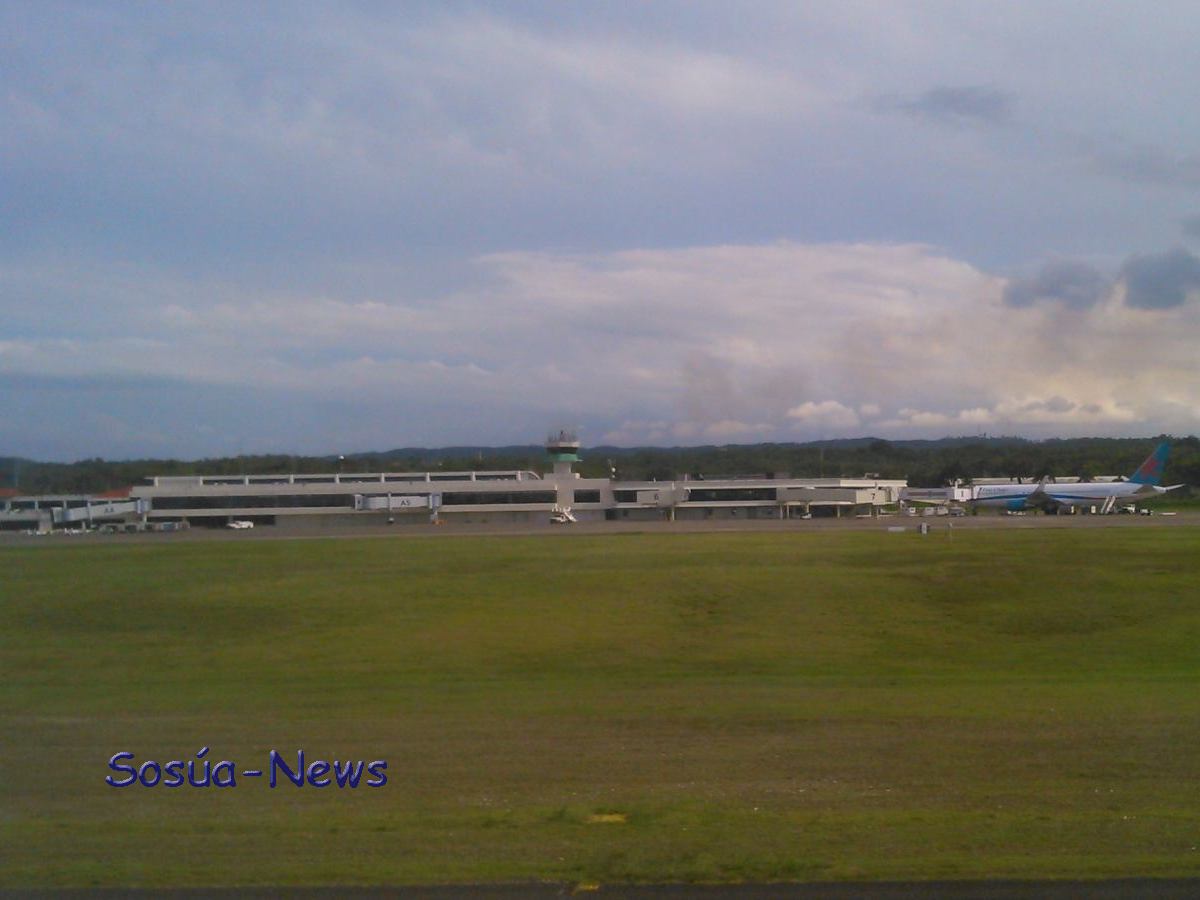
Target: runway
x=944, y=526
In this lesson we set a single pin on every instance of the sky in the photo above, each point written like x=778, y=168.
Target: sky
x=329, y=228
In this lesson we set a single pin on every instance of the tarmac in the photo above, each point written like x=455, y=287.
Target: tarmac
x=945, y=526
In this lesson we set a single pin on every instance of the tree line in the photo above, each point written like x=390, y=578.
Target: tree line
x=923, y=463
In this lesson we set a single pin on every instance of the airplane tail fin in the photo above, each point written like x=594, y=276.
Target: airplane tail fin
x=1151, y=471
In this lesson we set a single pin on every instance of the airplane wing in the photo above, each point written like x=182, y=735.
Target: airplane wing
x=1039, y=499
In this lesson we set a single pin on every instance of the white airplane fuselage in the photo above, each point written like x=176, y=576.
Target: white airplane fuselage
x=1014, y=496
x=1141, y=485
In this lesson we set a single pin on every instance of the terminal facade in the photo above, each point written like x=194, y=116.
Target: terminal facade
x=299, y=502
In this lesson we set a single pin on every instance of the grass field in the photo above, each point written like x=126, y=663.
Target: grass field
x=713, y=707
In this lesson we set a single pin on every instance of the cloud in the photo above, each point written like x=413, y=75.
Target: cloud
x=828, y=414
x=1151, y=166
x=312, y=139
x=1161, y=280
x=709, y=344
x=1077, y=285
x=955, y=105
x=1151, y=281
x=1191, y=226
x=326, y=133
x=1056, y=412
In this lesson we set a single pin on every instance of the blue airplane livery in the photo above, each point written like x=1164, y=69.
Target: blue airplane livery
x=1047, y=496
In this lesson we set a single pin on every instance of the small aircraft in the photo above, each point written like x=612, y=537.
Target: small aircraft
x=1143, y=484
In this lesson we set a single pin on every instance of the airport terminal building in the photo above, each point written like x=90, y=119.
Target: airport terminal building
x=299, y=502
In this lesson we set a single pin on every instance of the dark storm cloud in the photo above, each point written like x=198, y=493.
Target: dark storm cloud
x=1191, y=226
x=1151, y=165
x=956, y=105
x=1075, y=284
x=1161, y=280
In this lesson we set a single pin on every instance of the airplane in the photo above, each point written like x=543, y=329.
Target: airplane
x=1143, y=484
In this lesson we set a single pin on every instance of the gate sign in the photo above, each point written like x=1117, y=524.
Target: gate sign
x=413, y=501
x=409, y=502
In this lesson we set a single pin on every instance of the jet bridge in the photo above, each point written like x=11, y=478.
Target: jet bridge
x=93, y=512
x=943, y=496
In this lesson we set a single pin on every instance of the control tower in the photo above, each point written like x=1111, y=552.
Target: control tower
x=563, y=450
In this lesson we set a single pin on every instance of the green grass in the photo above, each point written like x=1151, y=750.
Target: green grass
x=758, y=707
